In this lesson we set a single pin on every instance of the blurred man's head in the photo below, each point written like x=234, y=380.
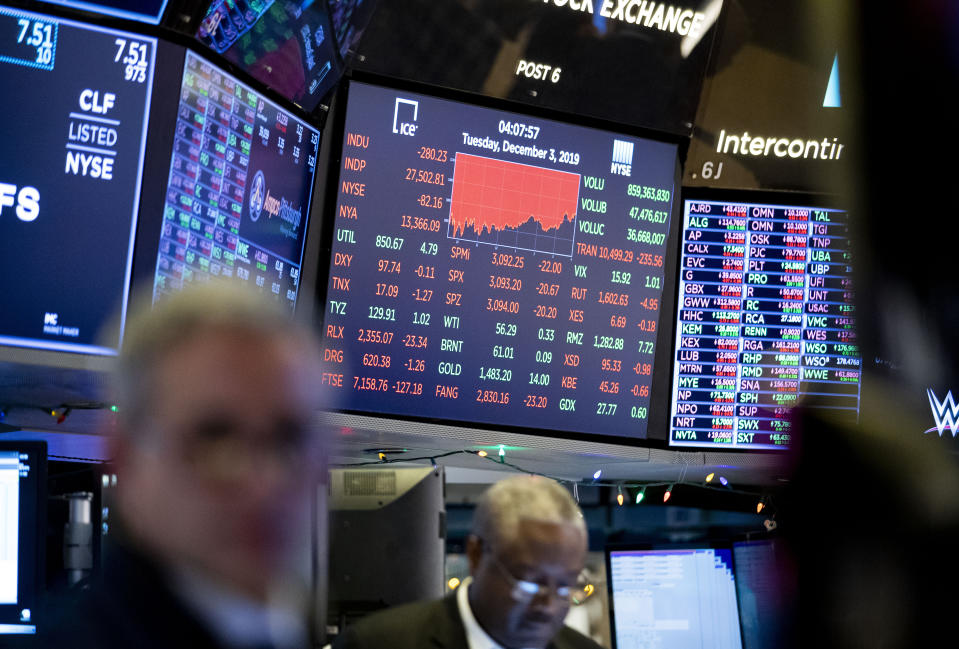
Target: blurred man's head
x=215, y=445
x=526, y=552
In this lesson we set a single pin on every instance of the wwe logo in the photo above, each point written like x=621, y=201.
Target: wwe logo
x=945, y=412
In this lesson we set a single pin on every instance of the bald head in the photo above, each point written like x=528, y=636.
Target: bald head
x=508, y=502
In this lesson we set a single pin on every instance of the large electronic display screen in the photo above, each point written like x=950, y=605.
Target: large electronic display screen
x=495, y=268
x=287, y=45
x=765, y=318
x=75, y=103
x=239, y=190
x=673, y=599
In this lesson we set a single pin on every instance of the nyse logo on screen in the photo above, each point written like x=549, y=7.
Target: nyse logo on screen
x=622, y=158
x=26, y=201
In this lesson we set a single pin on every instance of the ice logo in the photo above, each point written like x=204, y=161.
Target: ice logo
x=257, y=195
x=945, y=412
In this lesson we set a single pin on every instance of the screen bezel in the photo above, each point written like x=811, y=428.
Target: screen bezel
x=335, y=133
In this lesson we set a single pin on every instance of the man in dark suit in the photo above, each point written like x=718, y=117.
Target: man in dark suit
x=526, y=553
x=218, y=460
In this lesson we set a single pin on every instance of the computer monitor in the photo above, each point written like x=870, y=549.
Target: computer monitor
x=495, y=268
x=765, y=321
x=761, y=591
x=676, y=598
x=387, y=539
x=239, y=189
x=75, y=100
x=22, y=535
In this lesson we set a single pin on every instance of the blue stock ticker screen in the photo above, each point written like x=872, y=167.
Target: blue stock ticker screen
x=239, y=191
x=75, y=101
x=766, y=319
x=495, y=268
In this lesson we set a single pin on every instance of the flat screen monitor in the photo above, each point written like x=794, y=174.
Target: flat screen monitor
x=287, y=45
x=763, y=599
x=76, y=101
x=765, y=320
x=673, y=599
x=239, y=190
x=495, y=268
x=22, y=535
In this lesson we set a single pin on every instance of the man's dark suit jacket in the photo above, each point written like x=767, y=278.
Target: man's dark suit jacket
x=423, y=625
x=128, y=605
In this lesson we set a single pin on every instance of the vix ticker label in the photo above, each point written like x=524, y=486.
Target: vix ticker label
x=945, y=413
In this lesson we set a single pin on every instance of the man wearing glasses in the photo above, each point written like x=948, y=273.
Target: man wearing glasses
x=526, y=553
x=218, y=461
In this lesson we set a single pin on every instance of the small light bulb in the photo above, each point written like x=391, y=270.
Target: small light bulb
x=482, y=453
x=759, y=506
x=723, y=481
x=668, y=494
x=597, y=474
x=619, y=498
x=641, y=495
x=710, y=477
x=453, y=583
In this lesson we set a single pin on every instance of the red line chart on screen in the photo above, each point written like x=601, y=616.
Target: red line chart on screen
x=511, y=204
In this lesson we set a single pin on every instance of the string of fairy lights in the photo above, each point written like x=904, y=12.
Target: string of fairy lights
x=627, y=491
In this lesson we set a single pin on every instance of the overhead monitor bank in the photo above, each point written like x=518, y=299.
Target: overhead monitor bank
x=492, y=267
x=76, y=102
